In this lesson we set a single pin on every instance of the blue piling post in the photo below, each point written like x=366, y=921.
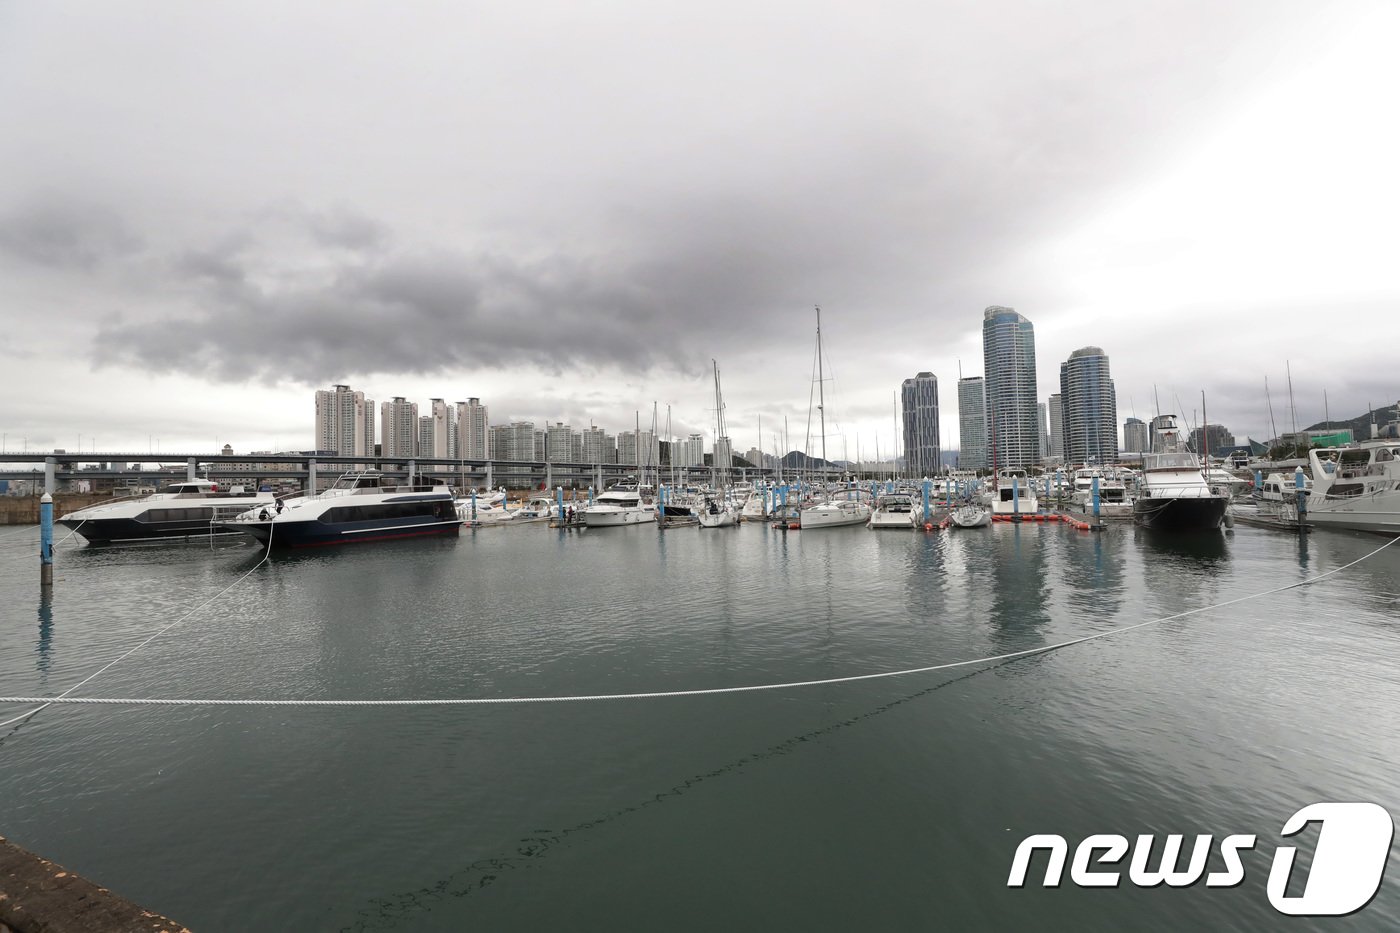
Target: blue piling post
x=1096, y=497
x=559, y=498
x=1258, y=481
x=1015, y=495
x=1302, y=496
x=590, y=495
x=473, y=504
x=926, y=516
x=46, y=542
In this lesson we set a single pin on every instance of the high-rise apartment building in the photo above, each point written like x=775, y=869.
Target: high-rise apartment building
x=559, y=443
x=1135, y=435
x=425, y=435
x=1089, y=408
x=1008, y=356
x=472, y=424
x=434, y=443
x=972, y=423
x=398, y=428
x=498, y=441
x=919, y=402
x=1044, y=424
x=723, y=457
x=344, y=422
x=1055, y=413
x=638, y=449
x=689, y=452
x=596, y=444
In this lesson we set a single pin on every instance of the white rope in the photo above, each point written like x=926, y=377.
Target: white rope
x=64, y=696
x=659, y=694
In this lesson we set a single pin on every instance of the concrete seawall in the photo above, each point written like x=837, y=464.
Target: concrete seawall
x=24, y=510
x=37, y=896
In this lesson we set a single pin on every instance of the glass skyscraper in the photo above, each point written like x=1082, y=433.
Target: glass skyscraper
x=922, y=452
x=1089, y=408
x=1013, y=424
x=972, y=424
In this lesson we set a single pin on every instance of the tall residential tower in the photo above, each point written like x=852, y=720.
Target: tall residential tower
x=1008, y=352
x=972, y=424
x=1089, y=408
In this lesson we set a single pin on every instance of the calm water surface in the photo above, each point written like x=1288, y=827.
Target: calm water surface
x=892, y=804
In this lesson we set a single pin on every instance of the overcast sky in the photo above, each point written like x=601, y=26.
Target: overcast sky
x=209, y=210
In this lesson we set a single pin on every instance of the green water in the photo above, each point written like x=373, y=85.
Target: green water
x=888, y=804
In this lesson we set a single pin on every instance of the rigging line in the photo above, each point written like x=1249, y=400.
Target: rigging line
x=63, y=540
x=666, y=694
x=63, y=697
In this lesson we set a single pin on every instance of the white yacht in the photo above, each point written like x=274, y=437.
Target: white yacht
x=1114, y=501
x=1173, y=493
x=1356, y=487
x=755, y=507
x=620, y=505
x=717, y=512
x=361, y=507
x=971, y=515
x=846, y=507
x=1014, y=493
x=181, y=510
x=1277, y=496
x=894, y=510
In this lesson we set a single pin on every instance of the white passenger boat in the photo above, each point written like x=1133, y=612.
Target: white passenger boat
x=894, y=510
x=361, y=507
x=1356, y=487
x=620, y=505
x=181, y=510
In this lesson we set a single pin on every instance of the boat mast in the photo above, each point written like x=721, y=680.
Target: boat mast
x=1268, y=398
x=821, y=387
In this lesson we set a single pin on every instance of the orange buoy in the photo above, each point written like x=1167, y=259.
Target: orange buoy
x=928, y=526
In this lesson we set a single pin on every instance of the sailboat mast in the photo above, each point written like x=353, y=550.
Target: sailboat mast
x=714, y=459
x=821, y=388
x=1205, y=432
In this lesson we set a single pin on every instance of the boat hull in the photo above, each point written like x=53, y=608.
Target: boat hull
x=884, y=520
x=1186, y=513
x=128, y=530
x=593, y=518
x=314, y=533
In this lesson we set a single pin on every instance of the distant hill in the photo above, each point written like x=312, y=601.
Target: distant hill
x=1360, y=425
x=797, y=460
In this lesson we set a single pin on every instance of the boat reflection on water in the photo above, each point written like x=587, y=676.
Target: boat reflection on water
x=1206, y=546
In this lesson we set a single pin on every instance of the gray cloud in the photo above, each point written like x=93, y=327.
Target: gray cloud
x=51, y=229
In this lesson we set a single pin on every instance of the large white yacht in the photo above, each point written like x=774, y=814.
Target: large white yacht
x=181, y=510
x=1173, y=493
x=361, y=507
x=1356, y=487
x=1113, y=493
x=1014, y=493
x=623, y=504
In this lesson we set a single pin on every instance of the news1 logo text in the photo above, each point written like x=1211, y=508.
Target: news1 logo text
x=1353, y=844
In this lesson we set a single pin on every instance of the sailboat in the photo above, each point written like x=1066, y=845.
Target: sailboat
x=718, y=511
x=847, y=506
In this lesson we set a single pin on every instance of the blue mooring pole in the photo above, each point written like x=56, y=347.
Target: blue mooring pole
x=1015, y=495
x=590, y=495
x=1096, y=497
x=927, y=513
x=559, y=497
x=1302, y=497
x=1258, y=482
x=473, y=505
x=46, y=542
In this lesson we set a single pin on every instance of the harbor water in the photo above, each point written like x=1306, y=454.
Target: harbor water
x=883, y=804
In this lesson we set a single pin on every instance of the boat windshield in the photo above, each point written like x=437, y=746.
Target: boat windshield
x=1173, y=461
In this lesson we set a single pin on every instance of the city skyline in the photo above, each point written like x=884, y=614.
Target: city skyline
x=186, y=250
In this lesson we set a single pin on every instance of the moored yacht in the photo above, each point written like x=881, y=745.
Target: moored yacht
x=1173, y=493
x=623, y=504
x=1356, y=487
x=1014, y=494
x=846, y=507
x=361, y=507
x=894, y=510
x=181, y=510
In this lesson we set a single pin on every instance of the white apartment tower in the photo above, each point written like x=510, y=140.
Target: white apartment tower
x=398, y=428
x=344, y=422
x=472, y=433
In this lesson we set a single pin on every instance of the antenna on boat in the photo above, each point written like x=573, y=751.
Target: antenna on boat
x=1288, y=368
x=1268, y=398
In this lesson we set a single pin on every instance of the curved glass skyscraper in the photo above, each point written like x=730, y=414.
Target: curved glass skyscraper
x=1008, y=354
x=1089, y=408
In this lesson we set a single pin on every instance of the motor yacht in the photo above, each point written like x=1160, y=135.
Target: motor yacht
x=181, y=510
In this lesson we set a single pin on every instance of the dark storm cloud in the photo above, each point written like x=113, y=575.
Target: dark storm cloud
x=50, y=229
